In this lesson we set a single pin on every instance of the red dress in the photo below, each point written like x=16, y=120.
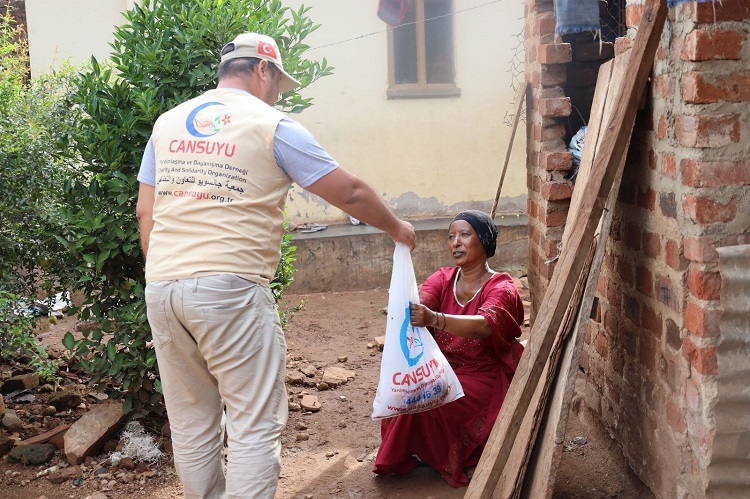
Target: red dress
x=451, y=437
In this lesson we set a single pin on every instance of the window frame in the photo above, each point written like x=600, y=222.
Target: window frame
x=421, y=89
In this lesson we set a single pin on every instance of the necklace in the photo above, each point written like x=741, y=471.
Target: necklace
x=455, y=287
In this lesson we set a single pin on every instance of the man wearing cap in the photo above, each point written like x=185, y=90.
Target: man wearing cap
x=213, y=184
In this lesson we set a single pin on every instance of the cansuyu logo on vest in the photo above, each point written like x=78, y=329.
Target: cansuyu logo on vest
x=206, y=120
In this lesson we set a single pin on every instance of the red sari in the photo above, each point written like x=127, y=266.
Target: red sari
x=451, y=437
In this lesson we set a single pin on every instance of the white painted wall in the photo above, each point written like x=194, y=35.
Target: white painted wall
x=73, y=30
x=427, y=157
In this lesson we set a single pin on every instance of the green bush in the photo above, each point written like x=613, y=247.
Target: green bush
x=165, y=53
x=34, y=116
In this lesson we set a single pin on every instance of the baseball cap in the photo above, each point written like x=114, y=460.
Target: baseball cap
x=262, y=47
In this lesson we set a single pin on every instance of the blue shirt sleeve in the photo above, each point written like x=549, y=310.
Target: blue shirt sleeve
x=147, y=173
x=299, y=154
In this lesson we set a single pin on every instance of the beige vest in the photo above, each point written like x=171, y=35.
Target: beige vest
x=219, y=192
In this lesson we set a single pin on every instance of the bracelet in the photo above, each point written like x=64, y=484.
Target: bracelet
x=437, y=317
x=445, y=323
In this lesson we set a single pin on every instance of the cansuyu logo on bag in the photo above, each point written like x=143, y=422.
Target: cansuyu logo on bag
x=411, y=341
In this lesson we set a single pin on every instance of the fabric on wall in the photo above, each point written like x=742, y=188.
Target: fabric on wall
x=393, y=12
x=577, y=16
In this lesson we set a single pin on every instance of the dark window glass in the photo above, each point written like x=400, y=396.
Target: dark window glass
x=438, y=32
x=405, y=50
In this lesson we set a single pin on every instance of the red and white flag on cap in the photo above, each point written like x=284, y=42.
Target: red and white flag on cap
x=266, y=48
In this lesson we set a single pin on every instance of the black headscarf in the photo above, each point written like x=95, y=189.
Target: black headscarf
x=483, y=226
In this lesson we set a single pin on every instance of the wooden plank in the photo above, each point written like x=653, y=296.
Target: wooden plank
x=489, y=473
x=520, y=99
x=519, y=458
x=44, y=437
x=593, y=137
x=544, y=459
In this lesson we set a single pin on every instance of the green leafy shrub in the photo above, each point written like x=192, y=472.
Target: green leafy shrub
x=166, y=53
x=34, y=116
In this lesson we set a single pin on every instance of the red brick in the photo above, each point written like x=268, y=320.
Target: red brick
x=552, y=75
x=554, y=53
x=614, y=296
x=651, y=321
x=667, y=294
x=633, y=237
x=673, y=335
x=651, y=244
x=668, y=204
x=674, y=256
x=557, y=107
x=675, y=416
x=633, y=15
x=713, y=12
x=644, y=281
x=625, y=271
x=661, y=129
x=714, y=174
x=662, y=85
x=646, y=199
x=707, y=211
x=699, y=89
x=556, y=160
x=704, y=284
x=557, y=191
x=545, y=25
x=700, y=249
x=601, y=345
x=702, y=321
x=550, y=132
x=648, y=348
x=720, y=44
x=707, y=131
x=554, y=217
x=668, y=165
x=703, y=360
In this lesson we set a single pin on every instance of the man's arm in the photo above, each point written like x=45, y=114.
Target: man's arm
x=144, y=212
x=354, y=196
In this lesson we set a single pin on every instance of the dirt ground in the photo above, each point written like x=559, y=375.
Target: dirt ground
x=329, y=453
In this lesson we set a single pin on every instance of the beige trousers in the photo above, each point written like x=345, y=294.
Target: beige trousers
x=218, y=339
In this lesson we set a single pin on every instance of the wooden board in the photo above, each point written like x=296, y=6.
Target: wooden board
x=491, y=472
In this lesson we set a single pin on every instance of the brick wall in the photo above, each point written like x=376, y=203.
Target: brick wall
x=548, y=157
x=650, y=350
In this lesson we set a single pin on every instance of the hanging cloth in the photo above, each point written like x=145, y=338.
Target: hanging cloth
x=393, y=12
x=577, y=16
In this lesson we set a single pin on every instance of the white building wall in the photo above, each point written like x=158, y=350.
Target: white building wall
x=71, y=30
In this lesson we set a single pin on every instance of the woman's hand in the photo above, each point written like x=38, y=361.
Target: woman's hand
x=422, y=316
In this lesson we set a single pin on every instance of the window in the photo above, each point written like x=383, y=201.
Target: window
x=420, y=52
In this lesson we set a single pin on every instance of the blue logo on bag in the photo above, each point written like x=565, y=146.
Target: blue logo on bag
x=411, y=341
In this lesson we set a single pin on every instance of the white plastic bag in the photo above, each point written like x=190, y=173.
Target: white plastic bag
x=414, y=374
